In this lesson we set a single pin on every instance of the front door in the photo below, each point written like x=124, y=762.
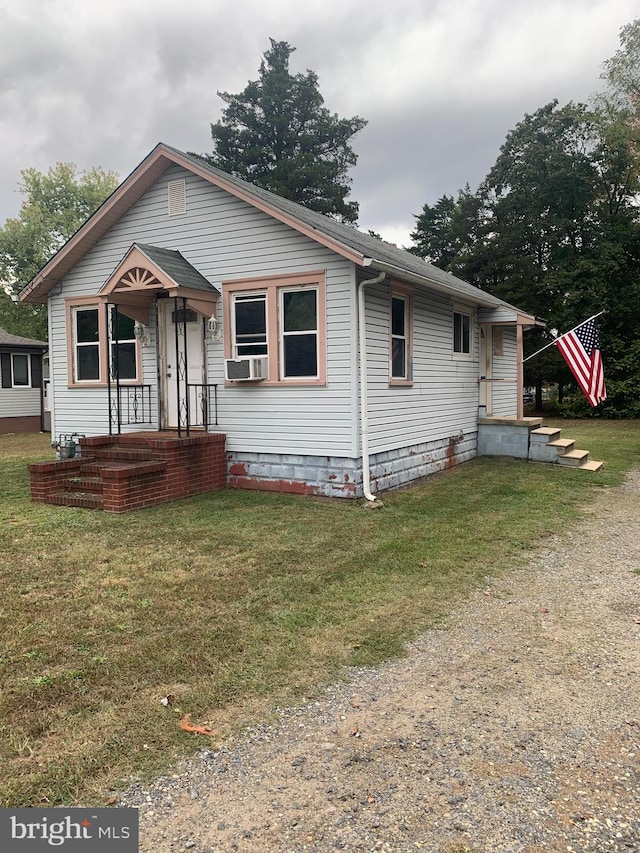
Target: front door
x=182, y=362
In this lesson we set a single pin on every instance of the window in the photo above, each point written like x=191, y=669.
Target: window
x=281, y=317
x=124, y=362
x=87, y=345
x=462, y=333
x=299, y=319
x=20, y=370
x=89, y=362
x=250, y=324
x=497, y=339
x=400, y=341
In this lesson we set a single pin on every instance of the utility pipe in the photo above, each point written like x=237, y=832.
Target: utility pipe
x=364, y=420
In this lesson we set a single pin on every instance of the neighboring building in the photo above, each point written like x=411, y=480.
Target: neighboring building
x=22, y=405
x=193, y=301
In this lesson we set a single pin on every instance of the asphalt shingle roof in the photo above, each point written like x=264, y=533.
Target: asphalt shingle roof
x=9, y=340
x=177, y=267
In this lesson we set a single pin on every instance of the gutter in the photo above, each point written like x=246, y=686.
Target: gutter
x=478, y=297
x=364, y=417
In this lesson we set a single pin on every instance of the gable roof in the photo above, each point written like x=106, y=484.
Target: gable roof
x=345, y=240
x=177, y=267
x=9, y=340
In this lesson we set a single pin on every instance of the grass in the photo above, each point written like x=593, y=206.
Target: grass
x=235, y=602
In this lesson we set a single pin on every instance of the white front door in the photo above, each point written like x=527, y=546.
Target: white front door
x=181, y=362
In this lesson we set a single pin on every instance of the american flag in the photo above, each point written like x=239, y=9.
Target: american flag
x=581, y=350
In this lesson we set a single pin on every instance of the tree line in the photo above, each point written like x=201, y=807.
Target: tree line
x=553, y=228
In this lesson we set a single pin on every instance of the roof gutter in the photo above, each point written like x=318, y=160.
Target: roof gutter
x=364, y=416
x=484, y=299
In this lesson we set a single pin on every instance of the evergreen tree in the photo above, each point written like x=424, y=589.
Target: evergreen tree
x=277, y=134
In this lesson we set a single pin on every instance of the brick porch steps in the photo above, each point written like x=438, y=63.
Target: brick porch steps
x=127, y=472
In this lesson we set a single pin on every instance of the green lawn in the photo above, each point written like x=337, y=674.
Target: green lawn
x=235, y=602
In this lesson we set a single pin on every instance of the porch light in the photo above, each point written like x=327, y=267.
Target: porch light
x=215, y=328
x=141, y=333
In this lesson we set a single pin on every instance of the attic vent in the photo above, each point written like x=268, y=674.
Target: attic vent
x=177, y=198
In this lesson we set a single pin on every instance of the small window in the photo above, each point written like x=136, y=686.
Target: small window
x=250, y=324
x=87, y=345
x=299, y=319
x=461, y=333
x=20, y=369
x=399, y=338
x=497, y=336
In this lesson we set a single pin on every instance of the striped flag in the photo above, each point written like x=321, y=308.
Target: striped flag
x=581, y=350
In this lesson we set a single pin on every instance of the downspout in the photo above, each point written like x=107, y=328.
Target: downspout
x=364, y=420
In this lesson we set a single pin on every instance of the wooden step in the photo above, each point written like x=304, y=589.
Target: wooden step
x=84, y=500
x=574, y=458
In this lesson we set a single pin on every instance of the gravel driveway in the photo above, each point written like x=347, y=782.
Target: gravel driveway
x=514, y=729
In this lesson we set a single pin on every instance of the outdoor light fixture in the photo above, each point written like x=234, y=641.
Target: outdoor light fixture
x=215, y=328
x=141, y=333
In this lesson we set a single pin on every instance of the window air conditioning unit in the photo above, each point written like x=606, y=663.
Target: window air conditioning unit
x=246, y=369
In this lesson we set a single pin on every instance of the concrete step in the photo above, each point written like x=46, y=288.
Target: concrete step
x=592, y=465
x=83, y=500
x=544, y=435
x=574, y=458
x=563, y=445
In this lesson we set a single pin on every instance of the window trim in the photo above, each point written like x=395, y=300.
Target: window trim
x=284, y=334
x=406, y=293
x=464, y=311
x=84, y=302
x=272, y=285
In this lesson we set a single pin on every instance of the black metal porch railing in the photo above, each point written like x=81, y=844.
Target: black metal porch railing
x=129, y=404
x=203, y=406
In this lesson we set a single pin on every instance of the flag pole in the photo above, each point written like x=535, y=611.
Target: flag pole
x=555, y=340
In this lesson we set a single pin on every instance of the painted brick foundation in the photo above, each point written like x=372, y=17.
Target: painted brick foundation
x=337, y=476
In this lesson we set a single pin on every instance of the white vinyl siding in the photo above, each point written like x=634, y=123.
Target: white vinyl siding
x=225, y=238
x=443, y=400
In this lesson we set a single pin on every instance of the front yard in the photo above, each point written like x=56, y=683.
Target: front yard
x=233, y=603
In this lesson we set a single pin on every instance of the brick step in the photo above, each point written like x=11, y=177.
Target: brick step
x=84, y=484
x=84, y=500
x=574, y=458
x=133, y=454
x=129, y=467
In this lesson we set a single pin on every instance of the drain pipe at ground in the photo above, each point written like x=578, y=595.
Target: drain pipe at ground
x=364, y=419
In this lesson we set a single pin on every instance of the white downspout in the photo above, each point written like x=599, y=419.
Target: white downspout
x=364, y=420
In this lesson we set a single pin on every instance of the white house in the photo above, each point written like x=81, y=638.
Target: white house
x=334, y=363
x=22, y=405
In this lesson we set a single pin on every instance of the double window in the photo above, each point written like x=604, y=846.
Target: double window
x=400, y=335
x=89, y=360
x=283, y=319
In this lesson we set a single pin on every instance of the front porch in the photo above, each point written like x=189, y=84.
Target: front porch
x=119, y=473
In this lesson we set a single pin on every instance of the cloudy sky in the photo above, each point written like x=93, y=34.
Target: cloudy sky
x=100, y=82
